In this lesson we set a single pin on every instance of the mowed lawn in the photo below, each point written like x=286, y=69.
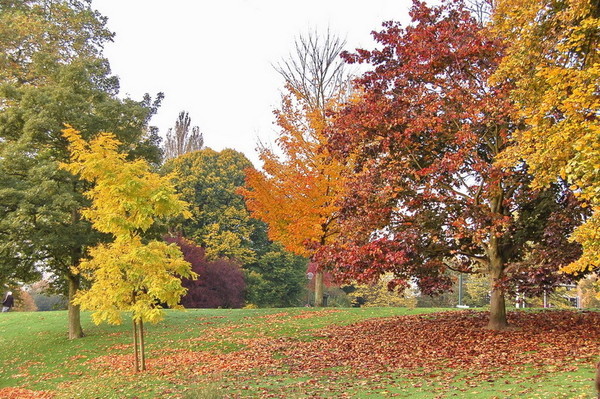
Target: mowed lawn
x=304, y=352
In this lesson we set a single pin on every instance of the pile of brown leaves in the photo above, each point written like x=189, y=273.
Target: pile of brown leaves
x=457, y=341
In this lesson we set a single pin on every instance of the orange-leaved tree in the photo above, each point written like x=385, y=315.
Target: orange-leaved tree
x=296, y=194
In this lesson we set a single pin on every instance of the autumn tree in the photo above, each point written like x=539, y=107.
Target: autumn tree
x=46, y=297
x=24, y=302
x=315, y=72
x=296, y=193
x=53, y=72
x=424, y=195
x=378, y=294
x=590, y=291
x=554, y=61
x=181, y=140
x=220, y=283
x=219, y=221
x=128, y=274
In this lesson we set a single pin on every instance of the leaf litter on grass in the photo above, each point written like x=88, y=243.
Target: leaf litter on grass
x=21, y=393
x=437, y=348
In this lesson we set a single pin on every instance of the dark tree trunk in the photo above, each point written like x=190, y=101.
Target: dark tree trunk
x=74, y=281
x=498, y=319
x=74, y=312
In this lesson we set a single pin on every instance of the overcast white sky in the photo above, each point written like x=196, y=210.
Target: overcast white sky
x=214, y=58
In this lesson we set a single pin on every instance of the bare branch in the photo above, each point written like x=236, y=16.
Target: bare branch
x=181, y=140
x=316, y=71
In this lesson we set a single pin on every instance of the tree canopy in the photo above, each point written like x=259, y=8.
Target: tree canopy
x=220, y=283
x=424, y=194
x=53, y=72
x=127, y=274
x=553, y=59
x=219, y=221
x=297, y=190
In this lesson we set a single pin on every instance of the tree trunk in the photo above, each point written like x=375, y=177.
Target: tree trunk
x=498, y=319
x=136, y=356
x=75, y=330
x=142, y=346
x=319, y=289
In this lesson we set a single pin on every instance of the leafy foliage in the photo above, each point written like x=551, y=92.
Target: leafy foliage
x=221, y=224
x=219, y=221
x=53, y=72
x=24, y=302
x=127, y=274
x=220, y=283
x=277, y=279
x=36, y=33
x=296, y=193
x=425, y=195
x=379, y=294
x=590, y=292
x=477, y=290
x=554, y=61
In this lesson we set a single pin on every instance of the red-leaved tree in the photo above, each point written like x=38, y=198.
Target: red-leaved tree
x=220, y=283
x=425, y=195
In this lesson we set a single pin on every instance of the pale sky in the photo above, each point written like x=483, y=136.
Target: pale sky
x=214, y=58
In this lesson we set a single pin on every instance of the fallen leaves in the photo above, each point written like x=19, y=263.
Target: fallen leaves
x=318, y=313
x=20, y=393
x=434, y=353
x=444, y=342
x=454, y=340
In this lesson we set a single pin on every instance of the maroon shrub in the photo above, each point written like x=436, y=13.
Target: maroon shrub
x=220, y=283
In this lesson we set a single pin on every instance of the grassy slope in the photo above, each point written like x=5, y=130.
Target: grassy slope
x=36, y=355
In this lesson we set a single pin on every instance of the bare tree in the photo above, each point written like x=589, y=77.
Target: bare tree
x=180, y=140
x=316, y=71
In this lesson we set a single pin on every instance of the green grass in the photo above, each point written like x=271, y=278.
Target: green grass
x=36, y=355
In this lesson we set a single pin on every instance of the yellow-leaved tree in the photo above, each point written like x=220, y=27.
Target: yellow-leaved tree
x=552, y=57
x=129, y=274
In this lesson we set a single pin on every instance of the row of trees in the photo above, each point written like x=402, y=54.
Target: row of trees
x=438, y=158
x=469, y=145
x=233, y=245
x=54, y=74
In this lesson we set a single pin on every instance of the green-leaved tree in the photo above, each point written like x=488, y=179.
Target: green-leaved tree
x=52, y=72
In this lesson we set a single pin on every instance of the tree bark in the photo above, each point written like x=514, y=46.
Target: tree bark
x=319, y=289
x=74, y=281
x=142, y=346
x=497, y=319
x=136, y=356
x=74, y=312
